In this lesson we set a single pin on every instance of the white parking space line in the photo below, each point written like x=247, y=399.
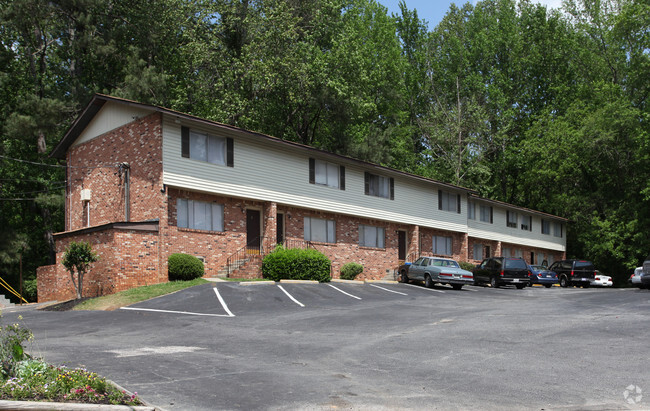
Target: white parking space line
x=223, y=303
x=174, y=312
x=424, y=288
x=386, y=289
x=341, y=291
x=290, y=296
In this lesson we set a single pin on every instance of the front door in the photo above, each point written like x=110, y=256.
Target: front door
x=401, y=245
x=253, y=230
x=280, y=229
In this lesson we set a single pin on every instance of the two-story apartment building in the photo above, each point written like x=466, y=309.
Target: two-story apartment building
x=144, y=182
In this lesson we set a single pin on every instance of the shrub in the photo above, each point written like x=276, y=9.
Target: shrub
x=184, y=267
x=12, y=338
x=350, y=270
x=30, y=289
x=466, y=266
x=296, y=264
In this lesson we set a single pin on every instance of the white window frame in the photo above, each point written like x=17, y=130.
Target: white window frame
x=486, y=214
x=511, y=219
x=557, y=229
x=506, y=252
x=372, y=236
x=330, y=173
x=199, y=215
x=448, y=201
x=546, y=227
x=379, y=186
x=326, y=236
x=527, y=222
x=214, y=149
x=442, y=245
x=477, y=249
x=471, y=210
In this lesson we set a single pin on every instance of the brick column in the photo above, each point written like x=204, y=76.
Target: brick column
x=270, y=225
x=464, y=247
x=413, y=250
x=497, y=250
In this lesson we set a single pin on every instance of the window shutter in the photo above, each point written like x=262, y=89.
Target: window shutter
x=530, y=225
x=366, y=178
x=230, y=155
x=491, y=215
x=439, y=199
x=458, y=209
x=342, y=177
x=392, y=188
x=312, y=171
x=185, y=142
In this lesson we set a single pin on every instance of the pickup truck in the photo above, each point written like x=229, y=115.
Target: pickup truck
x=574, y=272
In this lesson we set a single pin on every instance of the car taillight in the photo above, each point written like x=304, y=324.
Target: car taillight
x=571, y=273
x=501, y=273
x=530, y=274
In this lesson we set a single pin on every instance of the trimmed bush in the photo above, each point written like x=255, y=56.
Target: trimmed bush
x=184, y=267
x=350, y=270
x=466, y=266
x=296, y=264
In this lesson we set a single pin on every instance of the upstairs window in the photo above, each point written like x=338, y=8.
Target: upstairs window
x=557, y=230
x=442, y=245
x=448, y=201
x=199, y=215
x=206, y=147
x=471, y=210
x=527, y=222
x=486, y=214
x=326, y=174
x=379, y=186
x=546, y=227
x=320, y=230
x=370, y=236
x=511, y=219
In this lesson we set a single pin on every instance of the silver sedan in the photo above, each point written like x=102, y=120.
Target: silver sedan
x=434, y=270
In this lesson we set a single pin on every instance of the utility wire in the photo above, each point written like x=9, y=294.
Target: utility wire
x=36, y=192
x=58, y=165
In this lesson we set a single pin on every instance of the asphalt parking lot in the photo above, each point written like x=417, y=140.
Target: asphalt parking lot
x=364, y=346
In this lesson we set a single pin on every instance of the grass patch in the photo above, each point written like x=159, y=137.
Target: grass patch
x=134, y=295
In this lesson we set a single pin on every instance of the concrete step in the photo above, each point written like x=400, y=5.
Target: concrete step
x=4, y=302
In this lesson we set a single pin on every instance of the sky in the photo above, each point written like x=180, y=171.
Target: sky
x=434, y=10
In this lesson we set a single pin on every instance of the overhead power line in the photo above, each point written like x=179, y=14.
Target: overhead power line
x=116, y=165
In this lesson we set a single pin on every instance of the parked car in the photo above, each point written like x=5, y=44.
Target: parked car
x=542, y=275
x=499, y=271
x=574, y=272
x=434, y=270
x=645, y=278
x=635, y=278
x=601, y=280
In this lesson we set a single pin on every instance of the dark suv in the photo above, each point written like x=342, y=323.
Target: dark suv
x=574, y=272
x=645, y=273
x=502, y=270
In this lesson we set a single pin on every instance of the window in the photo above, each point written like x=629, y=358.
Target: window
x=511, y=220
x=506, y=252
x=448, y=201
x=442, y=245
x=379, y=186
x=518, y=253
x=320, y=230
x=557, y=229
x=551, y=259
x=478, y=252
x=546, y=227
x=527, y=222
x=370, y=236
x=471, y=210
x=199, y=215
x=486, y=214
x=206, y=147
x=326, y=174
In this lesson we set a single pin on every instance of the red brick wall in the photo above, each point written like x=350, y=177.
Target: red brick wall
x=458, y=243
x=93, y=165
x=47, y=283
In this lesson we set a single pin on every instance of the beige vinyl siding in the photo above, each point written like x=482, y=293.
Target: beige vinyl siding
x=272, y=172
x=110, y=116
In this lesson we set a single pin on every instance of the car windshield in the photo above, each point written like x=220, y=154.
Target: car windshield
x=538, y=267
x=515, y=263
x=445, y=263
x=584, y=265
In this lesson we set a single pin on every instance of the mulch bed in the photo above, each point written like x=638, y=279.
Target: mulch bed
x=64, y=306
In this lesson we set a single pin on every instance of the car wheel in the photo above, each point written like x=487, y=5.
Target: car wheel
x=585, y=285
x=493, y=282
x=520, y=286
x=427, y=281
x=457, y=286
x=563, y=282
x=404, y=278
x=548, y=285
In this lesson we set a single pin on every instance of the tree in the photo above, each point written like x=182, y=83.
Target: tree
x=78, y=257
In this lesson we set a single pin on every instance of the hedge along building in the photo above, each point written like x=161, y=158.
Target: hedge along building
x=144, y=182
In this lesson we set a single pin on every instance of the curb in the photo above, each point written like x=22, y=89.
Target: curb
x=338, y=280
x=381, y=282
x=255, y=282
x=299, y=281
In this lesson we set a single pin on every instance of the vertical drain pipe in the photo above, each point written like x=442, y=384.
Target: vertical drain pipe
x=127, y=189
